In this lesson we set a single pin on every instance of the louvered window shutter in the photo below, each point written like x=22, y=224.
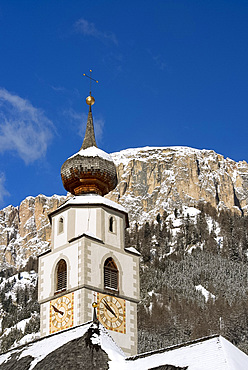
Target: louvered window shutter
x=110, y=275
x=61, y=275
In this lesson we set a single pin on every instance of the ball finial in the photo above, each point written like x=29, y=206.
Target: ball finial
x=90, y=100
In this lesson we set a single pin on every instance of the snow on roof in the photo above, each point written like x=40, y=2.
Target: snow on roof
x=93, y=151
x=91, y=235
x=204, y=354
x=41, y=348
x=114, y=352
x=89, y=199
x=236, y=359
x=132, y=250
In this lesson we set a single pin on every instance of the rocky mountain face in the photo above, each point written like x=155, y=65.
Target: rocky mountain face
x=25, y=230
x=151, y=180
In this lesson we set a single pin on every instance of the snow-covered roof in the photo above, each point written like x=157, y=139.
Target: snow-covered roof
x=93, y=151
x=90, y=199
x=41, y=348
x=132, y=250
x=204, y=354
x=37, y=351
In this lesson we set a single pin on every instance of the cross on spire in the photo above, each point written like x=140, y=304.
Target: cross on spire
x=90, y=78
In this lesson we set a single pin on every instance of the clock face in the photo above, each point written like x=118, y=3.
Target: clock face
x=61, y=313
x=112, y=312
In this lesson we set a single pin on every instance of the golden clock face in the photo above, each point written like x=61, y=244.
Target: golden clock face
x=112, y=312
x=61, y=313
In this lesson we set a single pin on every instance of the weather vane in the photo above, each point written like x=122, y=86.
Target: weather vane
x=90, y=100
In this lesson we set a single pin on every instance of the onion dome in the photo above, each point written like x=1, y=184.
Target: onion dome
x=90, y=170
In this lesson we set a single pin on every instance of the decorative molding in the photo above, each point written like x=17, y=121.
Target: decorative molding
x=92, y=288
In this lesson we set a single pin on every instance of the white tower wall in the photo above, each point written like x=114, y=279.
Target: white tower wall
x=85, y=242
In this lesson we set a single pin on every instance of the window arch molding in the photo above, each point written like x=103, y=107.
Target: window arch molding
x=54, y=273
x=120, y=271
x=111, y=275
x=61, y=276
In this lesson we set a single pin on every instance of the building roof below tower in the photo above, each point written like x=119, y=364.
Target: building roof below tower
x=90, y=346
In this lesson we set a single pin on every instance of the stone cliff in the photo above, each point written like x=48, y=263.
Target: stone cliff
x=25, y=230
x=151, y=180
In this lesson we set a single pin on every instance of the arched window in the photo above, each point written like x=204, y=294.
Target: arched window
x=110, y=275
x=61, y=277
x=61, y=225
x=111, y=224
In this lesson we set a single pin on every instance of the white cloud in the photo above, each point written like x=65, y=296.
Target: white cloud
x=23, y=128
x=58, y=88
x=99, y=124
x=89, y=29
x=74, y=116
x=159, y=62
x=3, y=191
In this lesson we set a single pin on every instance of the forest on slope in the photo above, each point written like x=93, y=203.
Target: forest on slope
x=193, y=274
x=172, y=309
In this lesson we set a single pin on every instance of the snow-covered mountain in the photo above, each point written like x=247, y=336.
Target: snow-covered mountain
x=25, y=230
x=151, y=180
x=194, y=254
x=154, y=179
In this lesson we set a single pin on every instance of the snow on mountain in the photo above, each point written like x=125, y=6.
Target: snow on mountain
x=25, y=230
x=169, y=181
x=204, y=292
x=19, y=281
x=19, y=310
x=152, y=180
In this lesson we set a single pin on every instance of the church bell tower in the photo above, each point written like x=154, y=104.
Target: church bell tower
x=88, y=261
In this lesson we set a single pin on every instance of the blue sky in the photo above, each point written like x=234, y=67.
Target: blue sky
x=171, y=72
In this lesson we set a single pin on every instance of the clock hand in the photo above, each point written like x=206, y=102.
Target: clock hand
x=108, y=307
x=56, y=310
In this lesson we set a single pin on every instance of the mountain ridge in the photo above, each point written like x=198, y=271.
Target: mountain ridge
x=179, y=175
x=152, y=180
x=193, y=241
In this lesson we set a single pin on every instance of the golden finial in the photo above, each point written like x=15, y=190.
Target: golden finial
x=94, y=305
x=90, y=100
